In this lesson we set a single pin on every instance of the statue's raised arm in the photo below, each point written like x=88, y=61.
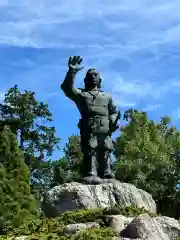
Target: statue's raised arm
x=99, y=117
x=74, y=65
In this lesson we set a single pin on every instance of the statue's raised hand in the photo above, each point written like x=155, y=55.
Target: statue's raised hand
x=74, y=63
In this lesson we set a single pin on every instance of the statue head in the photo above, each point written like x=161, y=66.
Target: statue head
x=92, y=79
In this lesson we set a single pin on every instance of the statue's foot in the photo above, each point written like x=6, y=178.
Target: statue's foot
x=91, y=174
x=92, y=180
x=108, y=175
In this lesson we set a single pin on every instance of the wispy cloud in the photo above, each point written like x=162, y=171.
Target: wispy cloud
x=134, y=44
x=124, y=25
x=122, y=103
x=151, y=107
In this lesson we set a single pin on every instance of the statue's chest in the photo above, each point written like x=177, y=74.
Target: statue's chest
x=95, y=98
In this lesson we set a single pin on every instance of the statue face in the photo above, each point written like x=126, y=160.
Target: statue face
x=93, y=77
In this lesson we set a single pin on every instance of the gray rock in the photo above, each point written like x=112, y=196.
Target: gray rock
x=118, y=222
x=145, y=227
x=73, y=228
x=170, y=226
x=73, y=196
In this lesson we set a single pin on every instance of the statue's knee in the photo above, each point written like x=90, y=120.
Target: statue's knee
x=92, y=152
x=108, y=144
x=93, y=143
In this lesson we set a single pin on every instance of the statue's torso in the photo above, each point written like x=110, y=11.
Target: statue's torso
x=93, y=107
x=93, y=103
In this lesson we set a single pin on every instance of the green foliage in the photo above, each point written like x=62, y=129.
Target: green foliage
x=73, y=153
x=98, y=214
x=88, y=234
x=17, y=204
x=55, y=225
x=60, y=172
x=3, y=237
x=67, y=169
x=31, y=119
x=50, y=174
x=144, y=153
x=95, y=234
x=23, y=113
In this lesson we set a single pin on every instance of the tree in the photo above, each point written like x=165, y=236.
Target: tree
x=66, y=169
x=144, y=153
x=17, y=204
x=31, y=120
x=73, y=153
x=52, y=173
x=48, y=175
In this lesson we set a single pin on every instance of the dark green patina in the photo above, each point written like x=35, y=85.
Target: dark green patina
x=99, y=117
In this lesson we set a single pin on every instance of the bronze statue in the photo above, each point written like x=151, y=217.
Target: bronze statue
x=99, y=117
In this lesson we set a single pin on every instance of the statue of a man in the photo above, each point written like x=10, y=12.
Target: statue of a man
x=99, y=118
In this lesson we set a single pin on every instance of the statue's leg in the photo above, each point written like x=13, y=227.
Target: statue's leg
x=107, y=169
x=90, y=156
x=91, y=163
x=105, y=149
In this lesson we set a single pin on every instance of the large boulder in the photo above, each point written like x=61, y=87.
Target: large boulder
x=118, y=222
x=146, y=227
x=170, y=226
x=73, y=196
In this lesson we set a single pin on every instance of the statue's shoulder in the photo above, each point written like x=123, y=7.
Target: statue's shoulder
x=82, y=89
x=79, y=90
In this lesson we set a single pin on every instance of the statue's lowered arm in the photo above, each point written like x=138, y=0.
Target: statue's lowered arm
x=114, y=116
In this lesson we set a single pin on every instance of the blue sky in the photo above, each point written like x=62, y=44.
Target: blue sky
x=134, y=44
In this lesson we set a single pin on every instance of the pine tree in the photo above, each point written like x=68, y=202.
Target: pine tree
x=73, y=152
x=31, y=119
x=145, y=153
x=16, y=203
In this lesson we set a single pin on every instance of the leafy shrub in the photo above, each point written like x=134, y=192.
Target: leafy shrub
x=95, y=234
x=55, y=225
x=88, y=234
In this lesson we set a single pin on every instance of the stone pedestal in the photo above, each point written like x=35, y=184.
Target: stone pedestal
x=108, y=193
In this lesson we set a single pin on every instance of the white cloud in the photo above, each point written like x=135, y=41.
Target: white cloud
x=110, y=34
x=151, y=107
x=124, y=103
x=137, y=90
x=126, y=24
